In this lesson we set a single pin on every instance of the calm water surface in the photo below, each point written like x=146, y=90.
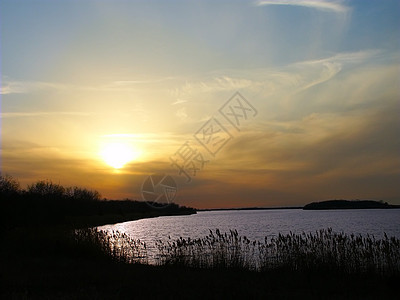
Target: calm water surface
x=257, y=224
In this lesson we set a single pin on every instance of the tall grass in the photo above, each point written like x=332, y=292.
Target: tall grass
x=219, y=250
x=324, y=250
x=115, y=245
x=331, y=251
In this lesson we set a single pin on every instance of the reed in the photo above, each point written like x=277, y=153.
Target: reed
x=216, y=250
x=323, y=250
x=115, y=245
x=331, y=251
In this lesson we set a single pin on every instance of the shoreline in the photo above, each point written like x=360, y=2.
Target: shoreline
x=111, y=219
x=250, y=208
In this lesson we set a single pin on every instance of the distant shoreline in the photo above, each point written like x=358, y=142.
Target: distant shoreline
x=251, y=208
x=349, y=204
x=322, y=205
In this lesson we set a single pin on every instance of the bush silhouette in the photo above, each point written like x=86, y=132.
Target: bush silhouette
x=82, y=194
x=46, y=189
x=8, y=186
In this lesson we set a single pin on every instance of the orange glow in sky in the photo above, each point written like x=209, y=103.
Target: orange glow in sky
x=101, y=94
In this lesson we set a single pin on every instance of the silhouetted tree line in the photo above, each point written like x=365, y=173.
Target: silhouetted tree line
x=45, y=202
x=348, y=204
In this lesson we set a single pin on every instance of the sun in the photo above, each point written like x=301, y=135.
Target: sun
x=118, y=154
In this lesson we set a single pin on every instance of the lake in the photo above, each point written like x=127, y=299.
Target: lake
x=257, y=224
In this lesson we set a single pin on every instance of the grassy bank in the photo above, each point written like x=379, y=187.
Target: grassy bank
x=52, y=278
x=55, y=263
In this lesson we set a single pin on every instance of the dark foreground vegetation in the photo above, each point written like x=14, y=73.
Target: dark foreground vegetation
x=59, y=259
x=347, y=204
x=43, y=263
x=324, y=250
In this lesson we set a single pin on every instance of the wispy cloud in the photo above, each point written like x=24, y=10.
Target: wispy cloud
x=166, y=137
x=283, y=80
x=12, y=86
x=5, y=115
x=344, y=57
x=22, y=87
x=323, y=5
x=179, y=101
x=211, y=83
x=331, y=66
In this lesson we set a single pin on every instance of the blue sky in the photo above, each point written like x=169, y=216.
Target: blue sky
x=226, y=34
x=323, y=75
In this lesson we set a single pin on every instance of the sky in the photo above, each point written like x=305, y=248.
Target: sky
x=242, y=103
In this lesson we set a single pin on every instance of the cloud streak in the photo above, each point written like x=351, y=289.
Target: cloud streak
x=327, y=6
x=7, y=115
x=23, y=87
